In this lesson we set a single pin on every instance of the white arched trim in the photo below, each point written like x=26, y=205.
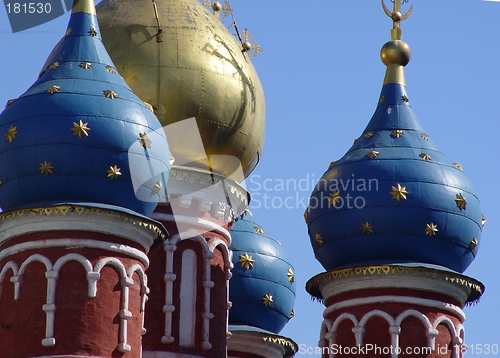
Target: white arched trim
x=396, y=299
x=49, y=307
x=430, y=331
x=36, y=257
x=339, y=320
x=92, y=244
x=11, y=265
x=170, y=246
x=124, y=313
x=456, y=340
x=227, y=254
x=136, y=268
x=324, y=333
x=52, y=274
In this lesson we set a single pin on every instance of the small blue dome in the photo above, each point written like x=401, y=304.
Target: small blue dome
x=394, y=198
x=262, y=288
x=79, y=134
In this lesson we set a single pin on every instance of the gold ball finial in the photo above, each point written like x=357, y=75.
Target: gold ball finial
x=396, y=52
x=216, y=6
x=396, y=16
x=246, y=46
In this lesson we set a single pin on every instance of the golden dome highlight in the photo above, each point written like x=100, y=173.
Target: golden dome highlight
x=185, y=63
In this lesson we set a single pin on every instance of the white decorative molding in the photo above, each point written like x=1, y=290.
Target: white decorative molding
x=328, y=331
x=93, y=274
x=11, y=265
x=325, y=336
x=457, y=333
x=396, y=299
x=187, y=323
x=144, y=290
x=413, y=279
x=124, y=313
x=169, y=279
x=86, y=219
x=228, y=265
x=194, y=223
x=78, y=243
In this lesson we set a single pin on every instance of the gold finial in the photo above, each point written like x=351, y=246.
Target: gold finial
x=396, y=15
x=87, y=6
x=396, y=53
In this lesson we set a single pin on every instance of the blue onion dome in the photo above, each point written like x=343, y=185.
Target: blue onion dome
x=79, y=134
x=394, y=198
x=262, y=288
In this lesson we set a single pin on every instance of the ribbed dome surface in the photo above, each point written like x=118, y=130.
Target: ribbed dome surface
x=79, y=134
x=394, y=198
x=262, y=288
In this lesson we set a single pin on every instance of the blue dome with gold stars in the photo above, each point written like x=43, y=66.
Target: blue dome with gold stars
x=394, y=197
x=79, y=134
x=262, y=288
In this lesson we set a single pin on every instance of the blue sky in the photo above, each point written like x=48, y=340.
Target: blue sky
x=322, y=75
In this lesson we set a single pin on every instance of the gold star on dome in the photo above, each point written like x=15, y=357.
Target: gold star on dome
x=1, y=182
x=267, y=299
x=53, y=89
x=431, y=229
x=113, y=172
x=367, y=228
x=80, y=129
x=54, y=66
x=461, y=202
x=355, y=140
x=397, y=133
x=86, y=65
x=483, y=220
x=258, y=229
x=11, y=134
x=398, y=192
x=473, y=244
x=319, y=239
x=157, y=188
x=292, y=313
x=46, y=168
x=458, y=166
x=334, y=198
x=144, y=140
x=405, y=99
x=372, y=154
x=290, y=275
x=246, y=261
x=425, y=156
x=68, y=31
x=382, y=99
x=368, y=135
x=9, y=102
x=110, y=94
x=423, y=135
x=110, y=69
x=93, y=32
x=306, y=213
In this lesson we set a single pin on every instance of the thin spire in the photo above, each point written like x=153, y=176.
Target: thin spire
x=396, y=53
x=86, y=6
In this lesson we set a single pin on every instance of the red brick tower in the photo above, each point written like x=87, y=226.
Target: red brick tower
x=75, y=231
x=189, y=273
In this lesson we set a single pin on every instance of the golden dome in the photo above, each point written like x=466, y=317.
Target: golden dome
x=192, y=67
